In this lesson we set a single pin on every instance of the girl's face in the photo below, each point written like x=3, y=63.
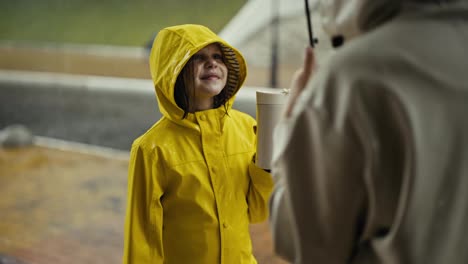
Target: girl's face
x=210, y=75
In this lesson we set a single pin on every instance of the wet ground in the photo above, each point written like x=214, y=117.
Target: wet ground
x=61, y=207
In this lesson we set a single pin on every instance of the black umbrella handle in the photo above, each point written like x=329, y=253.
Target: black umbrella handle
x=312, y=40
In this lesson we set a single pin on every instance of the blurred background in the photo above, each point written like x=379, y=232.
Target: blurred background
x=105, y=37
x=112, y=37
x=75, y=91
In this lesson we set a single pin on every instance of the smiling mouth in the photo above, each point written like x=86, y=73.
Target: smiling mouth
x=210, y=77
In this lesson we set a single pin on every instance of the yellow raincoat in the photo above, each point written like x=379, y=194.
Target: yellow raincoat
x=193, y=188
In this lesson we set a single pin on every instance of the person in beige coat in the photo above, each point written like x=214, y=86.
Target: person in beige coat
x=372, y=160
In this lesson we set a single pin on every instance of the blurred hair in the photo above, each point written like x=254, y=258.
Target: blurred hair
x=182, y=88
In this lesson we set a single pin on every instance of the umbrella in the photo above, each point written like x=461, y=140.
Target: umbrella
x=312, y=40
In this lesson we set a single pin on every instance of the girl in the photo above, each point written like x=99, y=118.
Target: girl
x=193, y=187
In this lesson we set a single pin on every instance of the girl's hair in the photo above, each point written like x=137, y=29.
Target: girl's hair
x=184, y=91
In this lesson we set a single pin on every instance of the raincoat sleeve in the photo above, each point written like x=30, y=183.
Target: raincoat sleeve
x=320, y=168
x=144, y=215
x=281, y=219
x=261, y=185
x=281, y=222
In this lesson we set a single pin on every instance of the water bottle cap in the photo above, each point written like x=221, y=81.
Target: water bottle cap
x=267, y=97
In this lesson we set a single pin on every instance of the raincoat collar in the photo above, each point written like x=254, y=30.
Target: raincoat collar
x=172, y=49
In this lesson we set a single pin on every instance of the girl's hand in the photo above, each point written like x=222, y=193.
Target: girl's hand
x=300, y=79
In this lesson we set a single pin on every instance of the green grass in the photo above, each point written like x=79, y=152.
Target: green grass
x=109, y=22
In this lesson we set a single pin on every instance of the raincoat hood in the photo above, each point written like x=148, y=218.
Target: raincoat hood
x=172, y=49
x=346, y=19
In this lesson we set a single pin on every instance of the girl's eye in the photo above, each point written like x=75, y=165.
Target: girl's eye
x=201, y=57
x=196, y=57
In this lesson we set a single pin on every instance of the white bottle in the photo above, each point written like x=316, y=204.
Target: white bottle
x=270, y=106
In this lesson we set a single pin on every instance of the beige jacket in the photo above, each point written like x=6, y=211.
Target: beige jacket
x=372, y=166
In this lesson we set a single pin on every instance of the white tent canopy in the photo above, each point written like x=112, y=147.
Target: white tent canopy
x=251, y=31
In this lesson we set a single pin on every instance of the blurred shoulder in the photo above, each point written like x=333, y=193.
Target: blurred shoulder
x=383, y=47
